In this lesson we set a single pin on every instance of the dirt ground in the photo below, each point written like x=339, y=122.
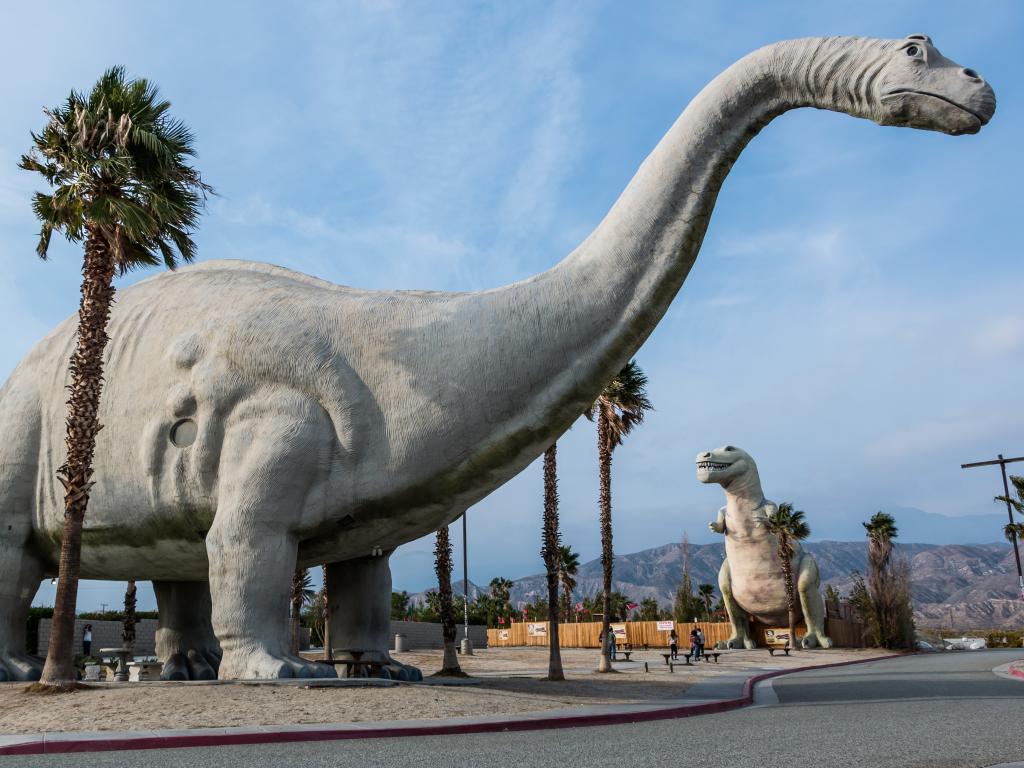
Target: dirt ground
x=511, y=683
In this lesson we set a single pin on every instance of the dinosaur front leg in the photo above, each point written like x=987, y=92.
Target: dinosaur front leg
x=185, y=642
x=20, y=574
x=737, y=616
x=271, y=463
x=808, y=586
x=359, y=610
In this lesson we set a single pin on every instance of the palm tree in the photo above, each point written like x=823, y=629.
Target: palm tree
x=568, y=567
x=881, y=530
x=130, y=616
x=1013, y=532
x=117, y=165
x=789, y=527
x=551, y=552
x=618, y=409
x=443, y=567
x=501, y=590
x=302, y=594
x=707, y=595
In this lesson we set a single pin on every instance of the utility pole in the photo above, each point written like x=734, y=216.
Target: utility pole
x=467, y=644
x=1009, y=510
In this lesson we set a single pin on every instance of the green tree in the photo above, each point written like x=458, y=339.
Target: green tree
x=686, y=606
x=568, y=567
x=399, y=605
x=501, y=590
x=117, y=165
x=706, y=593
x=551, y=550
x=618, y=409
x=789, y=527
x=130, y=615
x=1014, y=532
x=649, y=610
x=443, y=567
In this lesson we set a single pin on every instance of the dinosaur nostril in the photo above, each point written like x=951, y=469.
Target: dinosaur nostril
x=971, y=73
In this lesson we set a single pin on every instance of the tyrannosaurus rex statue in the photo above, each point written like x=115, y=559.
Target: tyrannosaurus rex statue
x=256, y=418
x=751, y=579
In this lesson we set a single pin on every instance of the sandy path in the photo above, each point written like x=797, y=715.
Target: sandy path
x=511, y=684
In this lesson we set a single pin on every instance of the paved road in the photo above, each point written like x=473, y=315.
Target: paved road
x=937, y=711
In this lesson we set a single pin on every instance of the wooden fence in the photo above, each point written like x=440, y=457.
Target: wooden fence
x=844, y=633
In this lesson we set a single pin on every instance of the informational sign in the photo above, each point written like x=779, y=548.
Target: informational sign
x=666, y=626
x=537, y=629
x=503, y=634
x=619, y=630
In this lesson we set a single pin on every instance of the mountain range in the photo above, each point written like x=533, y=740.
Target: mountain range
x=966, y=586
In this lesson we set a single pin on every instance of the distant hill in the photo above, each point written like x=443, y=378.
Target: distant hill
x=975, y=583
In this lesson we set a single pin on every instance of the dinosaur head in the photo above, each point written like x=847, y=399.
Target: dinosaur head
x=723, y=465
x=918, y=87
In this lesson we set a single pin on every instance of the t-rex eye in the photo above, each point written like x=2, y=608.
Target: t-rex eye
x=729, y=448
x=912, y=50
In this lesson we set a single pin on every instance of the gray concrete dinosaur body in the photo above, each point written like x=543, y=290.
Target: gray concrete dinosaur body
x=751, y=579
x=326, y=424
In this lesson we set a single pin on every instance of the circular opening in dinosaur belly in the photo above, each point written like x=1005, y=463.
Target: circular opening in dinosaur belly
x=183, y=433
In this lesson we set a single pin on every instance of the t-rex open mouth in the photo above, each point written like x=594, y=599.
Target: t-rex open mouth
x=714, y=465
x=898, y=91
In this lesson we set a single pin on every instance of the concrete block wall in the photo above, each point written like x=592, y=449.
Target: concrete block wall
x=105, y=634
x=421, y=634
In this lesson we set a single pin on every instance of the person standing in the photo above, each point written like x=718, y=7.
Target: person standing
x=87, y=640
x=700, y=642
x=673, y=644
x=694, y=644
x=611, y=644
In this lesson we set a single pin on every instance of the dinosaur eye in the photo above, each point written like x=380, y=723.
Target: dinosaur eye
x=729, y=448
x=912, y=50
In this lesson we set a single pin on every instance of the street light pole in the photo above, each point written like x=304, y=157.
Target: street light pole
x=467, y=644
x=1009, y=510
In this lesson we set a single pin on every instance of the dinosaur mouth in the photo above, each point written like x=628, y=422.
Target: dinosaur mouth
x=982, y=119
x=713, y=466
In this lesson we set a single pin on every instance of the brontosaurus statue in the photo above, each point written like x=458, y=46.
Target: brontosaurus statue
x=256, y=417
x=751, y=578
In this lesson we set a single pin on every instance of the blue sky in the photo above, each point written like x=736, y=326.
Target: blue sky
x=854, y=320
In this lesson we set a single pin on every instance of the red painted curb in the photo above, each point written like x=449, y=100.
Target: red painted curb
x=1017, y=669
x=100, y=744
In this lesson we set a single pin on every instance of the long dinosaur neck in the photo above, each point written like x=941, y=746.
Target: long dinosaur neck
x=616, y=286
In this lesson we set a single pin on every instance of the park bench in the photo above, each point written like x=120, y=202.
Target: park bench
x=783, y=648
x=623, y=652
x=668, y=658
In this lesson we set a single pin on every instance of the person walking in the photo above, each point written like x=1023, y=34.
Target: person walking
x=700, y=642
x=694, y=644
x=611, y=644
x=673, y=644
x=87, y=640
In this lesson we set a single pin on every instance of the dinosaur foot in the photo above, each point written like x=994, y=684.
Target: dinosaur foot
x=816, y=640
x=259, y=664
x=193, y=664
x=16, y=666
x=737, y=641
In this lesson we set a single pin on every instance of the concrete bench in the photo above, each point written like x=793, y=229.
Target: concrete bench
x=141, y=671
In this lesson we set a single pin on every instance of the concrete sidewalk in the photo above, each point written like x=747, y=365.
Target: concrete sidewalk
x=719, y=694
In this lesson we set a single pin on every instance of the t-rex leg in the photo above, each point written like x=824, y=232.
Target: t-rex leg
x=271, y=463
x=359, y=607
x=184, y=637
x=808, y=586
x=737, y=616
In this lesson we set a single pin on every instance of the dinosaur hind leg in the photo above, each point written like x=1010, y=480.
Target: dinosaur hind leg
x=359, y=607
x=737, y=616
x=808, y=587
x=185, y=642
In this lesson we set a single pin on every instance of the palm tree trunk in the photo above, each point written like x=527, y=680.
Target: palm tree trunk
x=604, y=453
x=551, y=553
x=787, y=572
x=443, y=567
x=76, y=474
x=298, y=579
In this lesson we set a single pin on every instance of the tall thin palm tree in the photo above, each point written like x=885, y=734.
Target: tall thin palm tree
x=501, y=591
x=568, y=567
x=618, y=409
x=443, y=567
x=302, y=594
x=117, y=164
x=881, y=530
x=789, y=527
x=130, y=615
x=551, y=551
